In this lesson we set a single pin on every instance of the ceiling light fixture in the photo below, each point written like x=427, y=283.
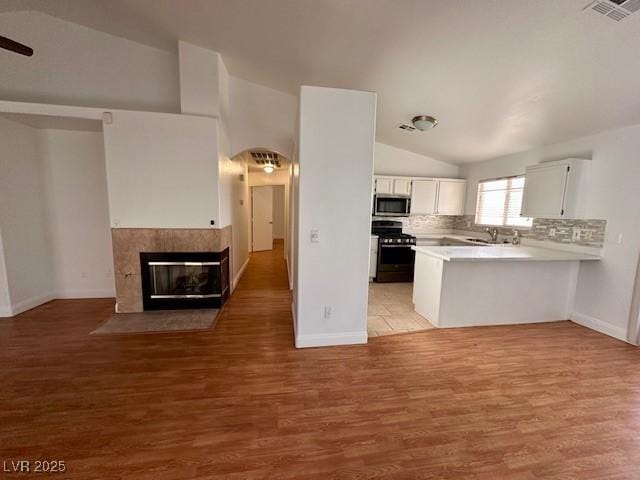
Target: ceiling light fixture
x=424, y=122
x=268, y=168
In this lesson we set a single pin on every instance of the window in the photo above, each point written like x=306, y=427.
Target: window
x=500, y=202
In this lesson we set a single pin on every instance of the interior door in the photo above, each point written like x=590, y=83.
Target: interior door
x=423, y=197
x=544, y=191
x=451, y=197
x=262, y=208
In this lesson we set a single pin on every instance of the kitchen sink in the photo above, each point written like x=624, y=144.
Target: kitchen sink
x=478, y=240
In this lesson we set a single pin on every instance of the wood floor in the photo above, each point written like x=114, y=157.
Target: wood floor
x=546, y=401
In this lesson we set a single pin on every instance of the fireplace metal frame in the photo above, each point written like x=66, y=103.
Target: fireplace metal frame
x=176, y=302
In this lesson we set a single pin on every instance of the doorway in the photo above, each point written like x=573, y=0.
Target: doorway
x=267, y=216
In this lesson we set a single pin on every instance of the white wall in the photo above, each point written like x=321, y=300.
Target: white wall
x=278, y=211
x=604, y=290
x=75, y=65
x=240, y=211
x=5, y=301
x=78, y=213
x=395, y=161
x=260, y=117
x=163, y=171
x=25, y=239
x=336, y=149
x=199, y=76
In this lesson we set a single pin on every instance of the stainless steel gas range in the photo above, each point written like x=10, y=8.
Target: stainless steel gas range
x=395, y=257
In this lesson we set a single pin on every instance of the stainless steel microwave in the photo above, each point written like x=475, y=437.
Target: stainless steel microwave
x=391, y=206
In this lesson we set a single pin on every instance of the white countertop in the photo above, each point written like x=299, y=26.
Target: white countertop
x=501, y=253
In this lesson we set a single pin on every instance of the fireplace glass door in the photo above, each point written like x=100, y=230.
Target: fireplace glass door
x=185, y=279
x=172, y=280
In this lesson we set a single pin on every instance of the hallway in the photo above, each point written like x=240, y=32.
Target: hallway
x=540, y=401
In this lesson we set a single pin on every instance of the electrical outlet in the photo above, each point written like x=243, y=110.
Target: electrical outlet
x=84, y=275
x=576, y=234
x=328, y=311
x=552, y=232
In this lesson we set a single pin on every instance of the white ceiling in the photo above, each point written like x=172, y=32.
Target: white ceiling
x=500, y=75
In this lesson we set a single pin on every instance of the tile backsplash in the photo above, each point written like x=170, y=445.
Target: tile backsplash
x=543, y=229
x=420, y=223
x=560, y=231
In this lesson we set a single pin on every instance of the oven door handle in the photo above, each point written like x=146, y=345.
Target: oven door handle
x=407, y=245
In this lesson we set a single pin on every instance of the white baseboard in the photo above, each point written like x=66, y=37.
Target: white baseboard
x=599, y=326
x=98, y=293
x=29, y=303
x=331, y=339
x=5, y=312
x=236, y=279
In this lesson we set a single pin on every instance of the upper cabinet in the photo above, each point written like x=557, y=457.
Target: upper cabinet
x=424, y=197
x=402, y=186
x=393, y=186
x=556, y=189
x=451, y=195
x=383, y=185
x=438, y=197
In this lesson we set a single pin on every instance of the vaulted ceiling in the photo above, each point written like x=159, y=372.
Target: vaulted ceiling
x=500, y=75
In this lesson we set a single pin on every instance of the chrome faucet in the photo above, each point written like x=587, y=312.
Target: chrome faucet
x=493, y=232
x=515, y=238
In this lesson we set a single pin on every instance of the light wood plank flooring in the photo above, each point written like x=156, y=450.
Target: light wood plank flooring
x=545, y=401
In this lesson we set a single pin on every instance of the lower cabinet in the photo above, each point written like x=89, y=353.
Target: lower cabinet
x=373, y=258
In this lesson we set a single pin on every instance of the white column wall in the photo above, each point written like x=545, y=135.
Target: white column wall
x=336, y=151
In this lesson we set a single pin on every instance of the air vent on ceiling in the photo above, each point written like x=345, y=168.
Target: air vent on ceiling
x=404, y=126
x=616, y=10
x=266, y=158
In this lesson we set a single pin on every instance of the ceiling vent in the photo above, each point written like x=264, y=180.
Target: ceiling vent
x=616, y=10
x=405, y=127
x=266, y=158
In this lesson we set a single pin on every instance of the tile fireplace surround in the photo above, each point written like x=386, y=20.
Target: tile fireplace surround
x=129, y=242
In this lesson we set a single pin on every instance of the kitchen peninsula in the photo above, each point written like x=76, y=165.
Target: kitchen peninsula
x=495, y=285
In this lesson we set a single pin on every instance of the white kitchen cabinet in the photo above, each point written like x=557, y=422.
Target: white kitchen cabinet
x=384, y=185
x=438, y=197
x=402, y=186
x=373, y=257
x=451, y=195
x=555, y=189
x=393, y=186
x=424, y=197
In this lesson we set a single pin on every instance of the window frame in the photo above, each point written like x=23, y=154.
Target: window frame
x=506, y=217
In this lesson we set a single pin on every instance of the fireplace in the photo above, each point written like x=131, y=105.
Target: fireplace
x=175, y=280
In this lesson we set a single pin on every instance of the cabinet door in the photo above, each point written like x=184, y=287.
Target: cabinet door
x=423, y=197
x=402, y=187
x=384, y=185
x=373, y=263
x=451, y=198
x=544, y=192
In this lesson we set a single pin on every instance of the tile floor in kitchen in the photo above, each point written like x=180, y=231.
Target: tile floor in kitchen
x=391, y=310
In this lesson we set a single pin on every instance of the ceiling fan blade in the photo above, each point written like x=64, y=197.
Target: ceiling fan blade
x=14, y=46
